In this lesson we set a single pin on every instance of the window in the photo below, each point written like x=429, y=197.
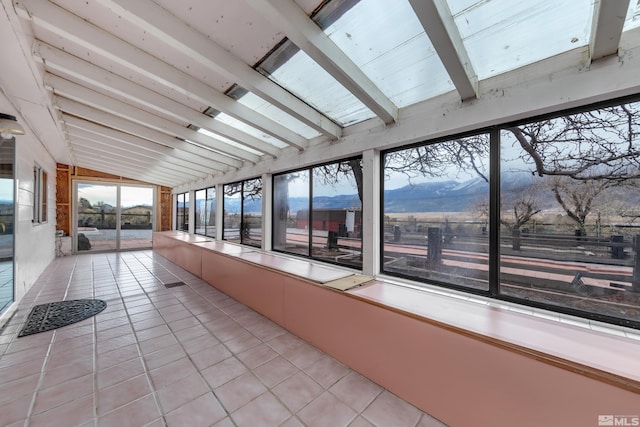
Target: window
x=543, y=212
x=205, y=220
x=243, y=212
x=435, y=212
x=570, y=216
x=317, y=212
x=40, y=195
x=182, y=212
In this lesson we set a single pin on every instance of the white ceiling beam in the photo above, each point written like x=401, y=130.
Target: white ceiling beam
x=105, y=82
x=102, y=155
x=108, y=120
x=163, y=167
x=157, y=21
x=437, y=21
x=94, y=99
x=94, y=159
x=75, y=125
x=292, y=20
x=57, y=20
x=168, y=161
x=130, y=172
x=606, y=27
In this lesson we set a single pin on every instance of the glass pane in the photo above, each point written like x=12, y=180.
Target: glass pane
x=7, y=150
x=226, y=119
x=337, y=213
x=501, y=35
x=306, y=79
x=633, y=16
x=570, y=225
x=230, y=142
x=436, y=200
x=399, y=59
x=182, y=215
x=291, y=212
x=210, y=212
x=96, y=229
x=200, y=214
x=252, y=212
x=263, y=107
x=136, y=217
x=232, y=211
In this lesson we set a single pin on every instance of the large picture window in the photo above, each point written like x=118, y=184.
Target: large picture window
x=205, y=214
x=544, y=212
x=243, y=212
x=570, y=215
x=318, y=212
x=435, y=212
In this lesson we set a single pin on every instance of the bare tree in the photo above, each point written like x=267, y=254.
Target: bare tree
x=333, y=173
x=524, y=207
x=594, y=145
x=440, y=159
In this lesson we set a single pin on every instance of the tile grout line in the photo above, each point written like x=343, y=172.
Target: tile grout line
x=47, y=354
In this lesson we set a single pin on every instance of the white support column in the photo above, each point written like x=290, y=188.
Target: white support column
x=219, y=210
x=267, y=210
x=371, y=212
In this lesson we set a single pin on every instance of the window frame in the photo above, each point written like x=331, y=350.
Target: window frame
x=207, y=213
x=494, y=292
x=310, y=209
x=184, y=224
x=40, y=195
x=243, y=237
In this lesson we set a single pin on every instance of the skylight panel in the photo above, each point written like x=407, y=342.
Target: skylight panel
x=250, y=130
x=267, y=109
x=300, y=75
x=229, y=142
x=633, y=16
x=502, y=35
x=395, y=53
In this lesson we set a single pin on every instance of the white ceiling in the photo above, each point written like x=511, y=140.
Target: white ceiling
x=121, y=86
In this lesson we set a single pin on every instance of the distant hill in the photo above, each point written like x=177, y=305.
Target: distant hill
x=443, y=196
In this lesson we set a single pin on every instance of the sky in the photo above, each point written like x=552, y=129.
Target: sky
x=6, y=189
x=131, y=196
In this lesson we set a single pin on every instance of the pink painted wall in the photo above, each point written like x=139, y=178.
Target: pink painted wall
x=460, y=380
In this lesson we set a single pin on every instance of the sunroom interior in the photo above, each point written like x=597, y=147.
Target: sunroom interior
x=381, y=178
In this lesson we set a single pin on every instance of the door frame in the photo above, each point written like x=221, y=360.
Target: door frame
x=118, y=185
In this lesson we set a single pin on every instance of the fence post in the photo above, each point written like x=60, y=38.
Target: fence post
x=434, y=245
x=635, y=280
x=617, y=246
x=397, y=233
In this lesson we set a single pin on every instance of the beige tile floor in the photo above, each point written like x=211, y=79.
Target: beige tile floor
x=179, y=356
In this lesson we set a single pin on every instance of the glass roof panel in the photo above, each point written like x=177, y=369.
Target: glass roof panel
x=267, y=109
x=501, y=35
x=303, y=77
x=633, y=16
x=399, y=59
x=229, y=141
x=225, y=118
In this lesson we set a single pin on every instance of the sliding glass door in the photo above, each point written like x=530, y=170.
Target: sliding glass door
x=110, y=217
x=7, y=154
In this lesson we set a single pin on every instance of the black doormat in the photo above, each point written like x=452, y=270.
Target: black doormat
x=53, y=315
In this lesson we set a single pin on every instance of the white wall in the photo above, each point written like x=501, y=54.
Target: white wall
x=34, y=243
